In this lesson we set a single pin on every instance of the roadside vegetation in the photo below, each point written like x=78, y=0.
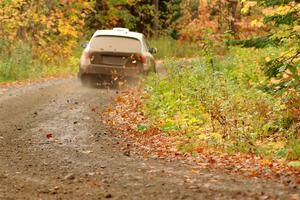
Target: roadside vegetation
x=171, y=48
x=239, y=96
x=19, y=63
x=223, y=106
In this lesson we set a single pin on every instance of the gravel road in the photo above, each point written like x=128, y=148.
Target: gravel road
x=53, y=146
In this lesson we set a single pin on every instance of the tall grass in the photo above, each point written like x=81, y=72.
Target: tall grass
x=17, y=62
x=168, y=48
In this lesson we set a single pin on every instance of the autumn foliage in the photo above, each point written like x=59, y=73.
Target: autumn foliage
x=48, y=26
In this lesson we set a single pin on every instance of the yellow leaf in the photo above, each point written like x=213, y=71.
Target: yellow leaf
x=268, y=59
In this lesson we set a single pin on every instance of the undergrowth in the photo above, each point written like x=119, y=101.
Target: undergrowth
x=19, y=63
x=170, y=48
x=221, y=103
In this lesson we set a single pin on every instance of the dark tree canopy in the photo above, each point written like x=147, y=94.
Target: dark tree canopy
x=146, y=16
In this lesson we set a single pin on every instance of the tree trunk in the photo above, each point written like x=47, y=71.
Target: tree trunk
x=233, y=12
x=156, y=16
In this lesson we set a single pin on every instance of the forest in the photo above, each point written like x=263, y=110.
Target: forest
x=233, y=81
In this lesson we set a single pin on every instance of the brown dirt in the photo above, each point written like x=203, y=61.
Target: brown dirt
x=83, y=160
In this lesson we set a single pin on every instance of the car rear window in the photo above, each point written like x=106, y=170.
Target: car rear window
x=115, y=43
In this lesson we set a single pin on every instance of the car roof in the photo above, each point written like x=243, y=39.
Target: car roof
x=119, y=32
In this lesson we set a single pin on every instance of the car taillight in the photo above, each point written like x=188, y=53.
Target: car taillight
x=143, y=58
x=133, y=59
x=87, y=55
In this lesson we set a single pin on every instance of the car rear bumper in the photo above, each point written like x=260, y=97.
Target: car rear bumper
x=94, y=69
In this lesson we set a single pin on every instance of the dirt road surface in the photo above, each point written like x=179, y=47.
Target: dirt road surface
x=81, y=159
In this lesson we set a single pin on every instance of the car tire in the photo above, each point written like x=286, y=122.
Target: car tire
x=154, y=70
x=86, y=80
